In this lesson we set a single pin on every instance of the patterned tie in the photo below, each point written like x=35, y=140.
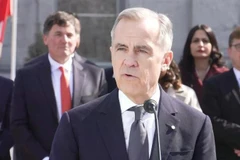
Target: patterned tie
x=138, y=141
x=65, y=92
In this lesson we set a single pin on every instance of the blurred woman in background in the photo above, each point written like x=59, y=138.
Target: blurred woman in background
x=201, y=58
x=170, y=80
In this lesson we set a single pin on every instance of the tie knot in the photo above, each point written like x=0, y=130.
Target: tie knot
x=61, y=69
x=138, y=110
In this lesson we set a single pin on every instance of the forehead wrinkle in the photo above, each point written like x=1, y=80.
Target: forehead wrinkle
x=146, y=31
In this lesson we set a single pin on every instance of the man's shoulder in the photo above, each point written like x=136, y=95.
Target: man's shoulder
x=87, y=64
x=191, y=118
x=219, y=69
x=28, y=70
x=188, y=119
x=6, y=81
x=182, y=109
x=92, y=67
x=189, y=112
x=5, y=84
x=36, y=59
x=85, y=110
x=219, y=78
x=35, y=65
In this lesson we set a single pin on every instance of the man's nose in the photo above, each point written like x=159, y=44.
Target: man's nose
x=130, y=61
x=64, y=38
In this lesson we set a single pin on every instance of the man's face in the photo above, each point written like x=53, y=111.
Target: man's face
x=61, y=42
x=137, y=58
x=234, y=53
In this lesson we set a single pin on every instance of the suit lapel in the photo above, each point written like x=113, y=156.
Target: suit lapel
x=168, y=124
x=79, y=78
x=111, y=127
x=110, y=123
x=44, y=76
x=233, y=84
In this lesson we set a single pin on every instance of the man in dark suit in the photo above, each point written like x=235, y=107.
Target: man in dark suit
x=6, y=141
x=79, y=58
x=51, y=85
x=111, y=83
x=106, y=128
x=221, y=101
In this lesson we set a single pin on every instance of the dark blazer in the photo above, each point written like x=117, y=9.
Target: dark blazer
x=6, y=141
x=95, y=131
x=221, y=101
x=191, y=79
x=111, y=83
x=79, y=58
x=34, y=112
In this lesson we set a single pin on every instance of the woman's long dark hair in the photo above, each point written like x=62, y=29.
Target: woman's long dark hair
x=171, y=77
x=187, y=61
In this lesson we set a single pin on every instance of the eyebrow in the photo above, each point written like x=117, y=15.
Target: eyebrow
x=57, y=32
x=200, y=38
x=135, y=47
x=142, y=47
x=120, y=45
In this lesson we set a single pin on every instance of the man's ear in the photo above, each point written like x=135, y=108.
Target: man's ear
x=167, y=59
x=45, y=39
x=111, y=51
x=78, y=41
x=229, y=51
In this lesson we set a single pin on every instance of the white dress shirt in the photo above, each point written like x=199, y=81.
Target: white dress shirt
x=237, y=75
x=56, y=74
x=128, y=117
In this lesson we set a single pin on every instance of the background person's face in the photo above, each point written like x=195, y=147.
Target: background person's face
x=234, y=54
x=61, y=42
x=136, y=58
x=200, y=45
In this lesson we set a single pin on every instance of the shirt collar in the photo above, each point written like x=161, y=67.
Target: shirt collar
x=126, y=103
x=237, y=74
x=55, y=65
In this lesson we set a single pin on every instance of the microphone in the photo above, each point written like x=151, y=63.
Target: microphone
x=150, y=106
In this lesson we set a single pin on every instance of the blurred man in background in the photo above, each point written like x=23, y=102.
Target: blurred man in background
x=49, y=86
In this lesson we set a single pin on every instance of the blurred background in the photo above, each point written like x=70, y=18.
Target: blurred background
x=97, y=18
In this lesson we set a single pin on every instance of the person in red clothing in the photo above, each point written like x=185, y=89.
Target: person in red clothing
x=201, y=58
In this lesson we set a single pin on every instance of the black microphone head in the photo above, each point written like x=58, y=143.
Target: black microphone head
x=150, y=105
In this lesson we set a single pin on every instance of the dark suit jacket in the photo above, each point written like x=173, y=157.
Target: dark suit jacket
x=111, y=83
x=95, y=131
x=221, y=101
x=34, y=114
x=79, y=58
x=191, y=79
x=6, y=141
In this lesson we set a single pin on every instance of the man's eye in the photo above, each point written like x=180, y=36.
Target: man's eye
x=238, y=46
x=58, y=34
x=69, y=35
x=121, y=49
x=143, y=51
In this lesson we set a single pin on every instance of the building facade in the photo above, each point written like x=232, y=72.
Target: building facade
x=97, y=18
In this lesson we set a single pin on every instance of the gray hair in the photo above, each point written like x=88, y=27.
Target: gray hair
x=165, y=25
